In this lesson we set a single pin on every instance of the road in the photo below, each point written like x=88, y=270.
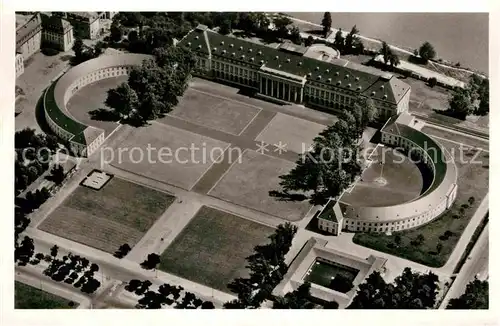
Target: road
x=475, y=265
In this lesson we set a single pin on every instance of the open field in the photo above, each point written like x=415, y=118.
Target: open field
x=472, y=182
x=119, y=213
x=294, y=132
x=425, y=99
x=212, y=248
x=92, y=97
x=404, y=181
x=28, y=297
x=179, y=157
x=248, y=184
x=215, y=113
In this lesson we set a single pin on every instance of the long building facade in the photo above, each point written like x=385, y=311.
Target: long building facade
x=290, y=76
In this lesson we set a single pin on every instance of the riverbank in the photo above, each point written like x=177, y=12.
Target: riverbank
x=406, y=31
x=460, y=74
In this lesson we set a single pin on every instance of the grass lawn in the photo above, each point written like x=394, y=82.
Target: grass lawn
x=27, y=297
x=472, y=181
x=119, y=213
x=322, y=272
x=248, y=184
x=212, y=248
x=430, y=97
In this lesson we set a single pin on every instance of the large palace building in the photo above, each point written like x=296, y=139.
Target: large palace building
x=288, y=73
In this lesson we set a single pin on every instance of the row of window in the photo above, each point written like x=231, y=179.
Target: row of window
x=235, y=70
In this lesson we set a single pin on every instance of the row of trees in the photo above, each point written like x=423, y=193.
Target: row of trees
x=166, y=294
x=476, y=296
x=153, y=88
x=473, y=99
x=267, y=268
x=410, y=290
x=330, y=167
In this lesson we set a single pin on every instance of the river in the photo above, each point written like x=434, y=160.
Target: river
x=457, y=37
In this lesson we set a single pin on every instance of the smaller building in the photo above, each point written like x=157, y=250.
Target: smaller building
x=57, y=33
x=19, y=64
x=86, y=24
x=315, y=253
x=107, y=14
x=29, y=36
x=331, y=219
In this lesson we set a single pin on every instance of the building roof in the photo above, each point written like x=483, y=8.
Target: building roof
x=23, y=30
x=55, y=24
x=90, y=15
x=445, y=178
x=207, y=42
x=55, y=98
x=331, y=212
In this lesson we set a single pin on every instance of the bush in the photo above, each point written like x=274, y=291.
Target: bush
x=49, y=51
x=448, y=233
x=455, y=216
x=432, y=81
x=471, y=200
x=465, y=206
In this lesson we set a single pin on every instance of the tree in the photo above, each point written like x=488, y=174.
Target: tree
x=386, y=52
x=394, y=60
x=116, y=32
x=78, y=47
x=410, y=290
x=207, y=305
x=460, y=103
x=476, y=296
x=123, y=100
x=281, y=23
x=427, y=51
x=432, y=82
x=397, y=240
x=471, y=200
x=57, y=174
x=339, y=41
x=295, y=35
x=225, y=27
x=326, y=23
x=54, y=250
x=122, y=251
x=439, y=247
x=298, y=299
x=350, y=39
x=309, y=41
x=151, y=262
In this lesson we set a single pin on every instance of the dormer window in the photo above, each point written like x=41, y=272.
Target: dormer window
x=317, y=68
x=199, y=46
x=385, y=97
x=252, y=59
x=319, y=77
x=373, y=93
x=358, y=88
x=241, y=48
x=261, y=61
x=336, y=73
x=329, y=80
x=309, y=74
x=349, y=85
x=243, y=56
x=327, y=70
x=288, y=60
x=189, y=43
x=276, y=57
x=357, y=78
x=221, y=42
x=339, y=82
x=214, y=49
x=347, y=76
x=224, y=51
x=300, y=63
x=260, y=52
x=382, y=87
x=233, y=54
x=196, y=37
x=231, y=45
x=250, y=50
